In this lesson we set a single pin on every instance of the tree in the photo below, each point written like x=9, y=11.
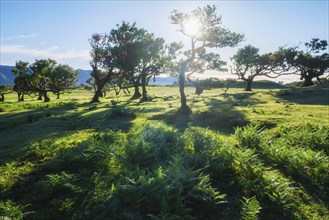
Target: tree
x=249, y=64
x=127, y=47
x=204, y=29
x=62, y=77
x=22, y=79
x=152, y=61
x=138, y=55
x=102, y=63
x=310, y=63
x=40, y=80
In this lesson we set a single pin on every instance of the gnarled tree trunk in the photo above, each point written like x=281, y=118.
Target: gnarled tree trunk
x=144, y=92
x=45, y=95
x=308, y=81
x=249, y=82
x=97, y=94
x=40, y=95
x=184, y=109
x=137, y=93
x=19, y=96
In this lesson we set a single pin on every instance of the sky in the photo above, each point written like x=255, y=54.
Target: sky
x=60, y=29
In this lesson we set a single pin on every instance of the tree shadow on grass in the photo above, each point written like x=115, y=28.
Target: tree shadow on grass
x=42, y=124
x=221, y=115
x=51, y=157
x=240, y=99
x=314, y=95
x=35, y=190
x=224, y=121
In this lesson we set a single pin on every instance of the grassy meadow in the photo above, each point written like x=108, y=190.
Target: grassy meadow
x=242, y=155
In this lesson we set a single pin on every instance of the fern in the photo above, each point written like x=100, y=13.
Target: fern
x=250, y=208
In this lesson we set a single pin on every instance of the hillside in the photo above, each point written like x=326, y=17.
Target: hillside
x=6, y=77
x=83, y=76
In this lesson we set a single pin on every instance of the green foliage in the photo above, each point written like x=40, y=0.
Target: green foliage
x=9, y=210
x=306, y=135
x=61, y=183
x=105, y=151
x=11, y=173
x=201, y=140
x=176, y=191
x=154, y=145
x=145, y=175
x=250, y=208
x=295, y=150
x=248, y=136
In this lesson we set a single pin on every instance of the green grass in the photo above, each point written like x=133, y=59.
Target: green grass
x=241, y=155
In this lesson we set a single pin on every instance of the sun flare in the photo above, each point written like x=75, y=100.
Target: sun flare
x=192, y=26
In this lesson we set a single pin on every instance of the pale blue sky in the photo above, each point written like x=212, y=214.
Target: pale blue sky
x=60, y=29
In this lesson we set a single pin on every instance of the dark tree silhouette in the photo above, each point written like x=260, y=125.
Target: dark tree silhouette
x=310, y=63
x=249, y=64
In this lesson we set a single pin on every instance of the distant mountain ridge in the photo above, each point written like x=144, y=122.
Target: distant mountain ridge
x=83, y=76
x=7, y=78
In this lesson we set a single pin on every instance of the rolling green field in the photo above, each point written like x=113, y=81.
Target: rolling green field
x=242, y=155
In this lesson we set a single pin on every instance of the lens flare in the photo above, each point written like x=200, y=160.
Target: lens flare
x=192, y=26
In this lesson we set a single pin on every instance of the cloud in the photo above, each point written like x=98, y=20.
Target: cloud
x=22, y=36
x=52, y=48
x=75, y=58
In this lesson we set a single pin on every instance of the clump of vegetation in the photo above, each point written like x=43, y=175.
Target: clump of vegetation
x=117, y=112
x=248, y=136
x=250, y=208
x=9, y=210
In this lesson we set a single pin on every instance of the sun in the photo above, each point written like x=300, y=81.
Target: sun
x=192, y=26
